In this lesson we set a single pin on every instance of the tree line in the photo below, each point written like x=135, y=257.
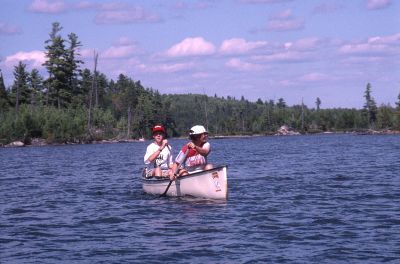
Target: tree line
x=76, y=104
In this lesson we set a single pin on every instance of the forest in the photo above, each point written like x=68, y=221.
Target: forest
x=75, y=104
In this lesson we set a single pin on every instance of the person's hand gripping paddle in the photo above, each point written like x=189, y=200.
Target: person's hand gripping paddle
x=175, y=173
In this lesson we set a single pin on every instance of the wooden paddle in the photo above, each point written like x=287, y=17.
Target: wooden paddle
x=175, y=173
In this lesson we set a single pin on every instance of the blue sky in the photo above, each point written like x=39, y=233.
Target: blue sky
x=268, y=49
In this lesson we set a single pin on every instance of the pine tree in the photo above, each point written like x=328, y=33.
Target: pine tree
x=35, y=81
x=397, y=113
x=281, y=103
x=20, y=89
x=72, y=63
x=318, y=103
x=58, y=91
x=370, y=107
x=4, y=100
x=102, y=87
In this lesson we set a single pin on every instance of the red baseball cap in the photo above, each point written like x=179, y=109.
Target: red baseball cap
x=158, y=128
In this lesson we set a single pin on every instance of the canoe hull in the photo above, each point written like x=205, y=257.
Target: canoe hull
x=210, y=184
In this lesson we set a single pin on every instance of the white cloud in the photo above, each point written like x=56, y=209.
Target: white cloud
x=85, y=5
x=387, y=40
x=241, y=65
x=115, y=52
x=377, y=4
x=166, y=68
x=285, y=14
x=181, y=5
x=6, y=29
x=35, y=58
x=123, y=41
x=285, y=56
x=303, y=44
x=191, y=47
x=44, y=6
x=264, y=1
x=384, y=46
x=314, y=77
x=363, y=49
x=125, y=16
x=201, y=75
x=284, y=21
x=107, y=13
x=287, y=83
x=123, y=47
x=326, y=8
x=240, y=46
x=114, y=6
x=285, y=25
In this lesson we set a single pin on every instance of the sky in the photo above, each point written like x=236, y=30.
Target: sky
x=297, y=50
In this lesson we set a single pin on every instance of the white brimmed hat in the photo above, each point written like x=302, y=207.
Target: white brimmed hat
x=196, y=130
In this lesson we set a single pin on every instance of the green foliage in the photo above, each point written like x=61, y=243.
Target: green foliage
x=396, y=118
x=4, y=100
x=104, y=121
x=63, y=126
x=20, y=126
x=63, y=67
x=20, y=93
x=178, y=113
x=318, y=103
x=370, y=109
x=35, y=84
x=58, y=107
x=385, y=117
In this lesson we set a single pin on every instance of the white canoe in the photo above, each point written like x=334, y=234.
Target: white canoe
x=210, y=184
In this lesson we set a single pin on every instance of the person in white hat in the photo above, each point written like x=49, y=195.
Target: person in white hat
x=193, y=155
x=158, y=155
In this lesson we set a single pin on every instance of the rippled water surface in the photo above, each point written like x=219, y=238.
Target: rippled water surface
x=302, y=199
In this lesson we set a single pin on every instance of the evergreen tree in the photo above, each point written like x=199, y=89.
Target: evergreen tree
x=397, y=113
x=4, y=100
x=281, y=103
x=385, y=116
x=85, y=86
x=20, y=89
x=102, y=87
x=58, y=90
x=126, y=108
x=72, y=63
x=35, y=82
x=269, y=114
x=318, y=103
x=370, y=107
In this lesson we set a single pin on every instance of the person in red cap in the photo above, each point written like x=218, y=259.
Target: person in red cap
x=158, y=155
x=193, y=155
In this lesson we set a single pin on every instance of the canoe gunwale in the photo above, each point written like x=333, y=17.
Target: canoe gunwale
x=209, y=184
x=190, y=175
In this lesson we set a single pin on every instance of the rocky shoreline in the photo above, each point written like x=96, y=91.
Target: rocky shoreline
x=40, y=142
x=282, y=131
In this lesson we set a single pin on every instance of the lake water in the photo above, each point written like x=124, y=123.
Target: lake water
x=300, y=199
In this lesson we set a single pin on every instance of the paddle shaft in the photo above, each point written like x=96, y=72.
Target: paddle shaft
x=177, y=169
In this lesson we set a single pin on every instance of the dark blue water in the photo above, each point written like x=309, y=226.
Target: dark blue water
x=302, y=199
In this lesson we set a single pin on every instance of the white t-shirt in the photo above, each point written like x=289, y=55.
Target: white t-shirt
x=164, y=158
